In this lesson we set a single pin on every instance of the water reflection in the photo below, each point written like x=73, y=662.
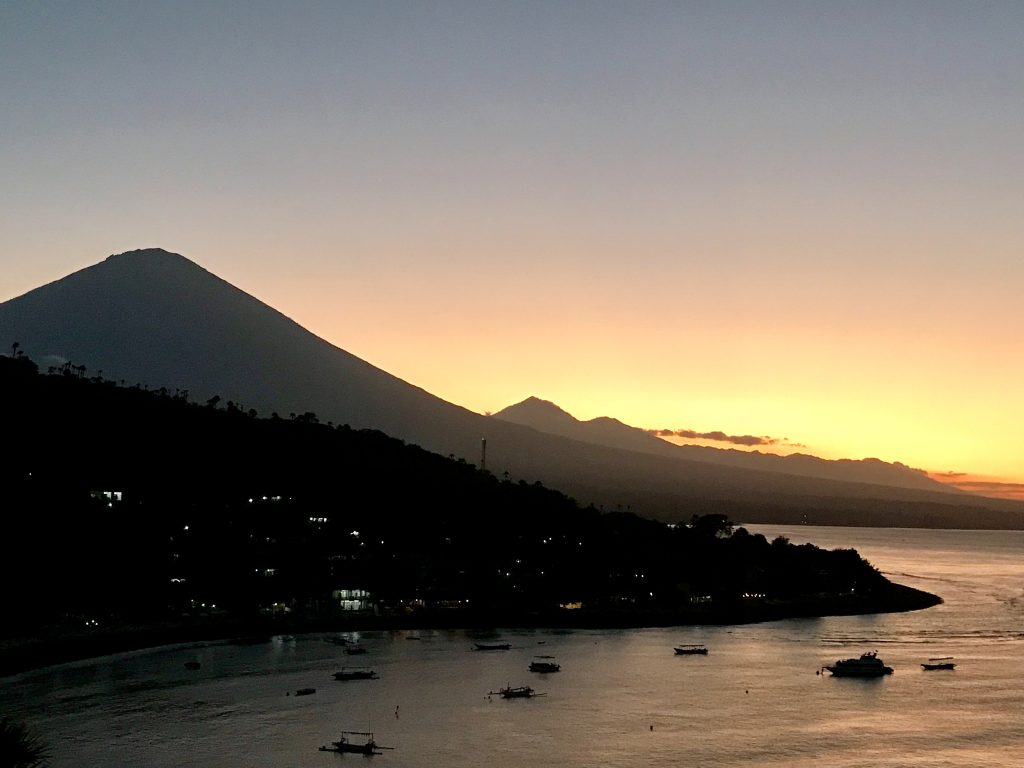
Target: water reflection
x=621, y=698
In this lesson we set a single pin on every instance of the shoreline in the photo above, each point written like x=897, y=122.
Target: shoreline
x=28, y=654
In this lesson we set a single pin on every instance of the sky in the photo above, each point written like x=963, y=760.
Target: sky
x=799, y=221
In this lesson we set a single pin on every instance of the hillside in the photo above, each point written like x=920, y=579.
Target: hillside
x=156, y=319
x=128, y=506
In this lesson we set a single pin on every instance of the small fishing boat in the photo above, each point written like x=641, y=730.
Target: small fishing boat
x=355, y=674
x=492, y=646
x=691, y=650
x=544, y=664
x=942, y=662
x=357, y=746
x=305, y=691
x=355, y=650
x=519, y=692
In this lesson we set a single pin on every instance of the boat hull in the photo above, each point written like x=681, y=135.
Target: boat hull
x=522, y=692
x=355, y=675
x=356, y=749
x=860, y=673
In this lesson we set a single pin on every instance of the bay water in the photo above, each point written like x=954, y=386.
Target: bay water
x=622, y=697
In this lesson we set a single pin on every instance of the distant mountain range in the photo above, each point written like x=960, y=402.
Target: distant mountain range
x=155, y=318
x=548, y=417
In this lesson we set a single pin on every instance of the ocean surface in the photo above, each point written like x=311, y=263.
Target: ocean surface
x=622, y=698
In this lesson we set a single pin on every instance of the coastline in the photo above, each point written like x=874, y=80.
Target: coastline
x=27, y=654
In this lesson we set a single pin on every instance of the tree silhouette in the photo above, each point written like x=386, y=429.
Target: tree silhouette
x=443, y=529
x=19, y=747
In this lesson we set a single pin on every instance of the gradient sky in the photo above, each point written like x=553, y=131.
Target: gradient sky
x=798, y=220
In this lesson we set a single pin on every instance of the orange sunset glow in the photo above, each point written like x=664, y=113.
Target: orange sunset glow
x=733, y=220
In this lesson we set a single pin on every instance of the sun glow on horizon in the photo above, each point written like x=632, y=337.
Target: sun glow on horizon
x=983, y=485
x=706, y=216
x=835, y=401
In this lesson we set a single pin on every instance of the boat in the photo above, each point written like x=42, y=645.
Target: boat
x=355, y=650
x=360, y=747
x=868, y=665
x=305, y=691
x=520, y=692
x=192, y=665
x=355, y=674
x=544, y=664
x=691, y=650
x=942, y=662
x=492, y=646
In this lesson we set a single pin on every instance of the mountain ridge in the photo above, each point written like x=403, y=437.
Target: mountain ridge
x=159, y=319
x=546, y=416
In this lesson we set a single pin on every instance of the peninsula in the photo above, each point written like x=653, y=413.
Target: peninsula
x=139, y=517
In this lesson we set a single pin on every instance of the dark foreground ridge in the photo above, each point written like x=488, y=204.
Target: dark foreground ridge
x=139, y=518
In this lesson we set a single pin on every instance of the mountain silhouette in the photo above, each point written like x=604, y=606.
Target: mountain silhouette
x=157, y=319
x=545, y=416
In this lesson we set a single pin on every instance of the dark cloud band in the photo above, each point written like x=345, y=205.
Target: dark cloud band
x=722, y=437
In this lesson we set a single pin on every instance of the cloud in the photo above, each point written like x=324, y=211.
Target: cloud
x=721, y=437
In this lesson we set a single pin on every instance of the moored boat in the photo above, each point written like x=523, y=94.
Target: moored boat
x=691, y=650
x=867, y=665
x=346, y=744
x=519, y=692
x=942, y=662
x=305, y=691
x=544, y=664
x=492, y=646
x=355, y=674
